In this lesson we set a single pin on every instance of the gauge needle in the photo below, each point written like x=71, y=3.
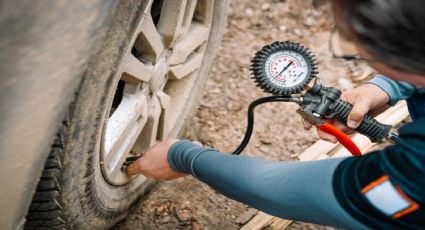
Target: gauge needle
x=286, y=67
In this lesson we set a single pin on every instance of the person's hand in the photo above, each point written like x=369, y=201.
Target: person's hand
x=365, y=99
x=154, y=163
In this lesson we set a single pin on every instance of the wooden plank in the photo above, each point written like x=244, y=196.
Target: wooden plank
x=320, y=147
x=258, y=222
x=391, y=116
x=323, y=150
x=278, y=223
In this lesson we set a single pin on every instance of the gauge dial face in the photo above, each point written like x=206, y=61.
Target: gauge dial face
x=283, y=68
x=286, y=68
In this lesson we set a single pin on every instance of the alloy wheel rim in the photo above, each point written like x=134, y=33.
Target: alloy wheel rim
x=154, y=80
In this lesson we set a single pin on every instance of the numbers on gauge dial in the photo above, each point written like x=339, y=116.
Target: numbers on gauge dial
x=286, y=68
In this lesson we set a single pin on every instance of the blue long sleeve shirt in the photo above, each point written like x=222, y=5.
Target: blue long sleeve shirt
x=381, y=190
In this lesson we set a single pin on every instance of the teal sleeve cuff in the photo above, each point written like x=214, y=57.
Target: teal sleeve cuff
x=396, y=90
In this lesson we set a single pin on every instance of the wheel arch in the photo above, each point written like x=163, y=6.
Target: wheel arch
x=45, y=49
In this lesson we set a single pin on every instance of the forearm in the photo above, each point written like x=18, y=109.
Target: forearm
x=291, y=190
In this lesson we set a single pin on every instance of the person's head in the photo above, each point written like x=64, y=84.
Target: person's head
x=391, y=33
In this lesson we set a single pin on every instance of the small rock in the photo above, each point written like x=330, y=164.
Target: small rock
x=232, y=85
x=264, y=149
x=249, y=12
x=184, y=215
x=159, y=210
x=164, y=220
x=309, y=21
x=283, y=28
x=206, y=104
x=297, y=32
x=294, y=155
x=265, y=6
x=316, y=13
x=216, y=90
x=246, y=216
x=231, y=106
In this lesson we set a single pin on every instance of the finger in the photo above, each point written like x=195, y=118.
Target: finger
x=360, y=108
x=344, y=97
x=307, y=125
x=340, y=126
x=326, y=136
x=134, y=168
x=141, y=153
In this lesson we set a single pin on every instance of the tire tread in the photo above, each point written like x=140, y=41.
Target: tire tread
x=45, y=211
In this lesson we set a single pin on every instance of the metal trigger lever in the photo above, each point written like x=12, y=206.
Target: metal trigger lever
x=331, y=129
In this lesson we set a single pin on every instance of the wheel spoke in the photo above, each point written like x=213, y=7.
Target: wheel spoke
x=170, y=22
x=203, y=12
x=149, y=43
x=197, y=35
x=164, y=121
x=148, y=136
x=188, y=16
x=183, y=70
x=147, y=6
x=123, y=128
x=135, y=71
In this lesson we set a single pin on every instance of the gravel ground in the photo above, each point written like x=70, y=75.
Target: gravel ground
x=221, y=119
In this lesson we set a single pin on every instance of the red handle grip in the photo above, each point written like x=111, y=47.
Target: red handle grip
x=341, y=137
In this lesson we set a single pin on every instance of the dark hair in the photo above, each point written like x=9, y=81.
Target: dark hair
x=392, y=31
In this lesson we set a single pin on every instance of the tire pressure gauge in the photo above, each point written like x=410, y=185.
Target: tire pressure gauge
x=283, y=68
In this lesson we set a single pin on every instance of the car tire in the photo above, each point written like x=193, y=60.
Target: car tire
x=81, y=186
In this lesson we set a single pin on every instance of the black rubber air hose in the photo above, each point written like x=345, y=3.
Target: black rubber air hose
x=250, y=121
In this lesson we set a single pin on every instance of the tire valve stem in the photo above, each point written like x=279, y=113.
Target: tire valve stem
x=128, y=161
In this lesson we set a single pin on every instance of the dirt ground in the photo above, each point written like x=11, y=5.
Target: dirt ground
x=221, y=119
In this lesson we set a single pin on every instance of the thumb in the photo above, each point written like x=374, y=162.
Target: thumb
x=360, y=109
